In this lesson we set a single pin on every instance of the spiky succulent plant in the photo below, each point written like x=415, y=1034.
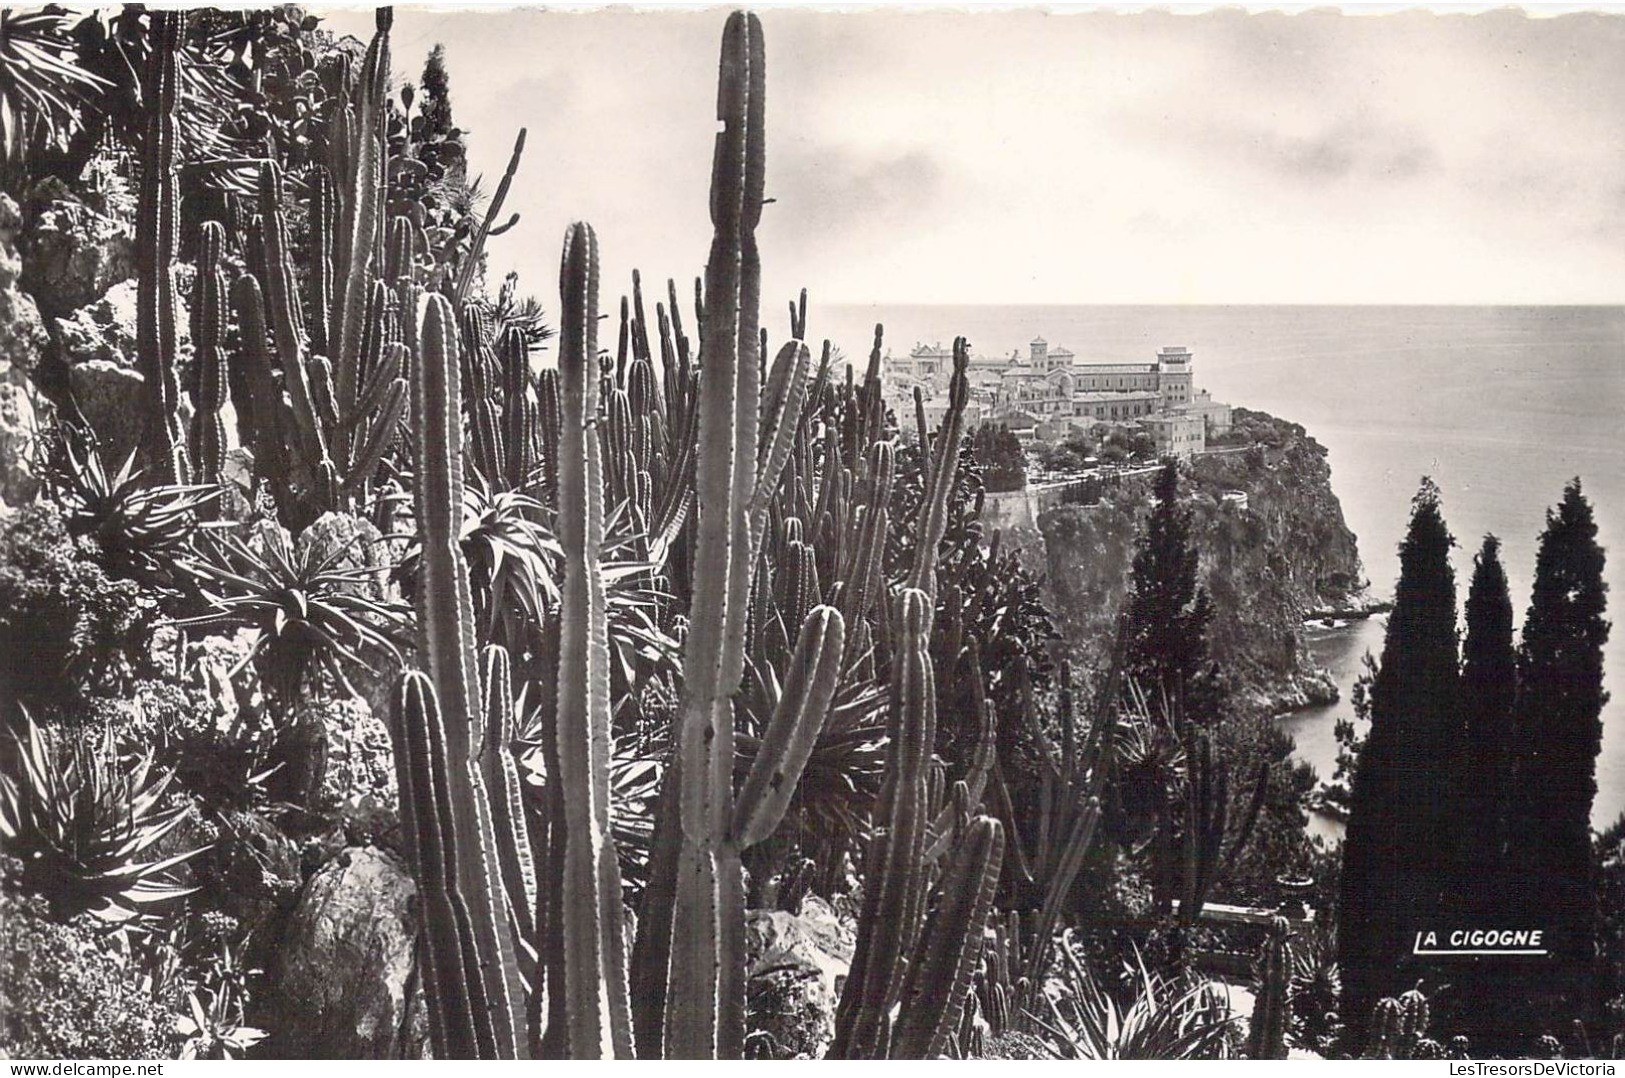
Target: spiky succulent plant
x=1164, y=1018
x=141, y=529
x=309, y=608
x=86, y=826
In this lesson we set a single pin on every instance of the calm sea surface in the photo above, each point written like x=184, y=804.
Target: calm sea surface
x=1500, y=405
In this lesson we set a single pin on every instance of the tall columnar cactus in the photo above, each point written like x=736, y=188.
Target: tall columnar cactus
x=688, y=969
x=476, y=247
x=208, y=435
x=690, y=954
x=950, y=947
x=939, y=476
x=155, y=238
x=923, y=977
x=359, y=190
x=547, y=432
x=518, y=409
x=474, y=988
x=287, y=326
x=1272, y=1009
x=599, y=1024
x=257, y=397
x=1207, y=816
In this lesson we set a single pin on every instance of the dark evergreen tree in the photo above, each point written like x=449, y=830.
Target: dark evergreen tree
x=436, y=106
x=1489, y=687
x=1559, y=729
x=1484, y=1003
x=1394, y=853
x=1169, y=611
x=1003, y=461
x=437, y=140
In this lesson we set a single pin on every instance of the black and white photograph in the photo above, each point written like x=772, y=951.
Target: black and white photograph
x=900, y=532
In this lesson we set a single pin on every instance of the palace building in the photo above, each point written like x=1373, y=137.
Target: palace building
x=1050, y=386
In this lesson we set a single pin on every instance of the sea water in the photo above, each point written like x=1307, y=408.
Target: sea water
x=1500, y=405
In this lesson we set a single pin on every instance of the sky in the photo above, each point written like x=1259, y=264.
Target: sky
x=1102, y=157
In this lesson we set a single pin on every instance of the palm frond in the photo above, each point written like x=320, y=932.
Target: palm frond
x=44, y=89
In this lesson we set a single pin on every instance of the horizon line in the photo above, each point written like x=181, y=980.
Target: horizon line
x=813, y=301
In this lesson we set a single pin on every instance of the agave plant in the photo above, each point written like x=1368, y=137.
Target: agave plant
x=141, y=530
x=213, y=1024
x=308, y=607
x=514, y=562
x=515, y=565
x=1150, y=768
x=86, y=826
x=1168, y=1018
x=1316, y=988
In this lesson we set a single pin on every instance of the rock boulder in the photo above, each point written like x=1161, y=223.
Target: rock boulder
x=342, y=982
x=795, y=965
x=77, y=246
x=23, y=340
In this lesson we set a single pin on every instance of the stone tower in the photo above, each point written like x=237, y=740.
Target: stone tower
x=1174, y=377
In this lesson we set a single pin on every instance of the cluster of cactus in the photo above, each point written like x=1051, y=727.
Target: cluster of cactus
x=1005, y=982
x=462, y=804
x=757, y=496
x=1399, y=1029
x=613, y=438
x=1272, y=1006
x=911, y=971
x=1205, y=856
x=921, y=973
x=319, y=383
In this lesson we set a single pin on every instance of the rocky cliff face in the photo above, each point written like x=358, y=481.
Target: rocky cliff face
x=1266, y=563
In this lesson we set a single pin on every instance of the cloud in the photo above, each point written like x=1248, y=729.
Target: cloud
x=1341, y=149
x=1146, y=157
x=830, y=192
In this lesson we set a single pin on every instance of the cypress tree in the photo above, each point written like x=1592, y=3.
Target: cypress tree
x=1484, y=1004
x=438, y=139
x=436, y=107
x=1489, y=686
x=1168, y=610
x=1559, y=730
x=1394, y=852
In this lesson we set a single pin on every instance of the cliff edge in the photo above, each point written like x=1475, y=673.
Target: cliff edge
x=1274, y=547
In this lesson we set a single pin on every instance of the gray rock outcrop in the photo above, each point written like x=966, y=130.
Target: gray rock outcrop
x=796, y=964
x=78, y=246
x=343, y=984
